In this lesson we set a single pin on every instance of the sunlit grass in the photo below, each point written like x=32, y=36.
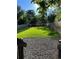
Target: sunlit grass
x=35, y=32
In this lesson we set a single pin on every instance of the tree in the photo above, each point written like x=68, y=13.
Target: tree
x=30, y=14
x=21, y=16
x=42, y=9
x=31, y=17
x=51, y=18
x=45, y=4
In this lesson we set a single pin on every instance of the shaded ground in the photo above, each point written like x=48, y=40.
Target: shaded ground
x=41, y=49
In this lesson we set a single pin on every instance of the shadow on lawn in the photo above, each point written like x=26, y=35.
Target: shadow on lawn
x=21, y=29
x=52, y=33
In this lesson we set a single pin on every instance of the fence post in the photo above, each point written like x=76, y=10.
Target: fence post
x=59, y=49
x=20, y=44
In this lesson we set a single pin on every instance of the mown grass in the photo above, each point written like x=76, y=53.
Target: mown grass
x=36, y=32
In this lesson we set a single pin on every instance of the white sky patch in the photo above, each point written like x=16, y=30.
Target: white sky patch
x=35, y=8
x=50, y=10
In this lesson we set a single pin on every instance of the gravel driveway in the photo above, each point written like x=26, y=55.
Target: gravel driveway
x=41, y=49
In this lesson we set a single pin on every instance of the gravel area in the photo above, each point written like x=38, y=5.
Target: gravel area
x=41, y=49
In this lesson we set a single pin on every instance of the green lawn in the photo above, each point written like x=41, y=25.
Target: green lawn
x=36, y=32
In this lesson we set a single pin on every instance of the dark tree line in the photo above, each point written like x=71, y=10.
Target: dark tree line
x=29, y=17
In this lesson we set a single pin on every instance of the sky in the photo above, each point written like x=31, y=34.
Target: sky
x=27, y=5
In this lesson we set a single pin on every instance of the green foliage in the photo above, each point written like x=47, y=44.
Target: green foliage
x=51, y=18
x=21, y=16
x=45, y=4
x=30, y=15
x=24, y=16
